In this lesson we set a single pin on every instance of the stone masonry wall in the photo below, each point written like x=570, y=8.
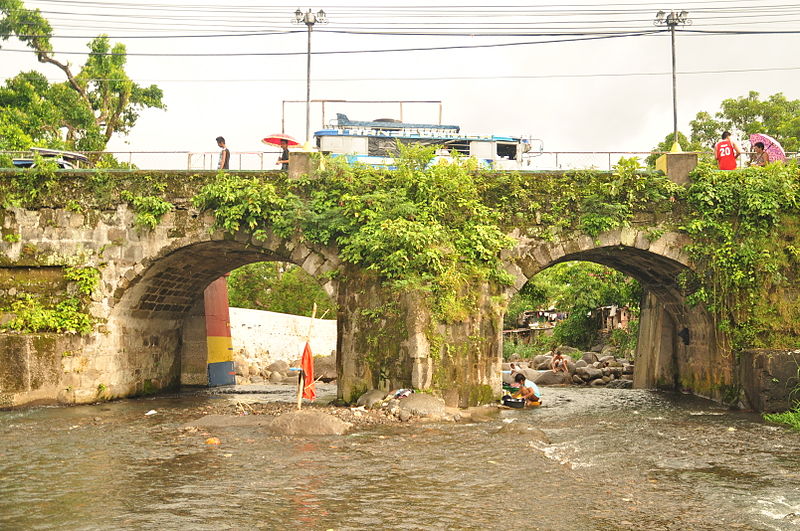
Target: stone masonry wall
x=150, y=281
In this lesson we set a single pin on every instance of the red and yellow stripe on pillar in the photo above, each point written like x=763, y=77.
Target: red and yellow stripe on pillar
x=218, y=334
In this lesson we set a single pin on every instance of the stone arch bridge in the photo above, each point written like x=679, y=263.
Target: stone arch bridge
x=149, y=307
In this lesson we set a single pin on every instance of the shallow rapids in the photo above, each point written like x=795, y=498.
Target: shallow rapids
x=604, y=459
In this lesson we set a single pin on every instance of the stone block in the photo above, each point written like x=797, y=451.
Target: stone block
x=302, y=163
x=627, y=236
x=768, y=378
x=610, y=238
x=312, y=263
x=642, y=242
x=677, y=166
x=300, y=253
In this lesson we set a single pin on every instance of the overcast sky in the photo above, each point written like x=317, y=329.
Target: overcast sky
x=609, y=94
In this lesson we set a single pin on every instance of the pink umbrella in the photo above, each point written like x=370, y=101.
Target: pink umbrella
x=771, y=146
x=275, y=140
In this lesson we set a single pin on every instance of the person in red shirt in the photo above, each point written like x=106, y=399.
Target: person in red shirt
x=726, y=152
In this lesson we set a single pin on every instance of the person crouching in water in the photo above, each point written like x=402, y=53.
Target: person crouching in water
x=528, y=393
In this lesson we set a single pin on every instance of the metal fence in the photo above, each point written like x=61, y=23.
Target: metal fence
x=267, y=160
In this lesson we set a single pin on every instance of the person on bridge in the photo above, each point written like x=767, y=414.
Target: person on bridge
x=283, y=160
x=760, y=156
x=726, y=152
x=224, y=155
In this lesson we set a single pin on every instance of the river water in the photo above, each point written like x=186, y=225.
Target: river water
x=605, y=459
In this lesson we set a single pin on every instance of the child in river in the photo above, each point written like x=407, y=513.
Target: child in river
x=558, y=363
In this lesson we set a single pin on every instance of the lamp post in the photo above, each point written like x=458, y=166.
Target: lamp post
x=672, y=20
x=309, y=19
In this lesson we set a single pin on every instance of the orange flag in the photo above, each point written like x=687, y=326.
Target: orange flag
x=307, y=364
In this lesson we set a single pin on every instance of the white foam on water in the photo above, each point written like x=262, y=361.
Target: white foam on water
x=561, y=454
x=779, y=508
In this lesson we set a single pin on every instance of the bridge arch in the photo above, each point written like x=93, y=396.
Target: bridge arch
x=678, y=343
x=155, y=330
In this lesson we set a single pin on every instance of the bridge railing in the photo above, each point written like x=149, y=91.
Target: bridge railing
x=182, y=160
x=267, y=160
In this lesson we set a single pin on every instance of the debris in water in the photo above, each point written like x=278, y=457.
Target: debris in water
x=213, y=440
x=151, y=412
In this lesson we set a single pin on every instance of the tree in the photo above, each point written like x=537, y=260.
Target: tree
x=575, y=288
x=776, y=116
x=277, y=287
x=86, y=110
x=666, y=145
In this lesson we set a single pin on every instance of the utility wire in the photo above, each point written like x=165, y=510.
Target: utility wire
x=419, y=49
x=465, y=78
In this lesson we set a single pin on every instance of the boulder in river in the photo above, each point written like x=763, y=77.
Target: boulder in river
x=539, y=359
x=370, y=398
x=589, y=373
x=308, y=422
x=552, y=378
x=589, y=357
x=278, y=366
x=324, y=368
x=421, y=405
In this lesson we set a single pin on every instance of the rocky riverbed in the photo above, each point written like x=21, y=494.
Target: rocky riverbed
x=596, y=369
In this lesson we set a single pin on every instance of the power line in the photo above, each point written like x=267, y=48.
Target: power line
x=468, y=78
x=335, y=52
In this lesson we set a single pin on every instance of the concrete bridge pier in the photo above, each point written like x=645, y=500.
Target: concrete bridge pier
x=389, y=340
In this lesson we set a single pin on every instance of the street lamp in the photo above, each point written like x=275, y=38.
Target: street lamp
x=309, y=19
x=672, y=20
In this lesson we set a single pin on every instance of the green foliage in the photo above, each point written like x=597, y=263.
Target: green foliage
x=278, y=287
x=577, y=330
x=587, y=201
x=418, y=226
x=790, y=418
x=69, y=315
x=31, y=183
x=12, y=238
x=248, y=203
x=32, y=316
x=518, y=349
x=91, y=106
x=85, y=278
x=775, y=116
x=577, y=288
x=626, y=340
x=149, y=209
x=742, y=230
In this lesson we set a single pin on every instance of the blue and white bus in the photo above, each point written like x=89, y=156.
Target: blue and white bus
x=375, y=143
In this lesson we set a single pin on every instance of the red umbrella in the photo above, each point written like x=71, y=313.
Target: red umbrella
x=275, y=140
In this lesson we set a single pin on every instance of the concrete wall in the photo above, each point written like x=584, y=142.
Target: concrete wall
x=770, y=379
x=42, y=368
x=272, y=336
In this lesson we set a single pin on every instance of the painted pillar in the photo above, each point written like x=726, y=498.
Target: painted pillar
x=218, y=334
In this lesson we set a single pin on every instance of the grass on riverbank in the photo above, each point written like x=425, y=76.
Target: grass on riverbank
x=790, y=418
